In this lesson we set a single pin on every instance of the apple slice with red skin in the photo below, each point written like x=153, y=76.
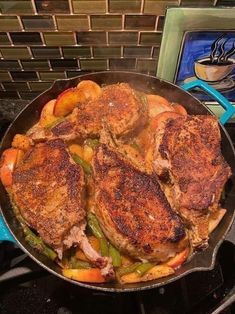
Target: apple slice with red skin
x=10, y=157
x=67, y=101
x=84, y=275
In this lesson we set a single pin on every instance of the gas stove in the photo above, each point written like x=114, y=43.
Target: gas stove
x=27, y=288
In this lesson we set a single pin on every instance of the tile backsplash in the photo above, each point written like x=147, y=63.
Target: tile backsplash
x=43, y=40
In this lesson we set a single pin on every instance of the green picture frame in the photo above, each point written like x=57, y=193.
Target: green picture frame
x=180, y=20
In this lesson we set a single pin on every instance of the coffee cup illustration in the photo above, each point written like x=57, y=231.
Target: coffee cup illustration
x=211, y=72
x=218, y=64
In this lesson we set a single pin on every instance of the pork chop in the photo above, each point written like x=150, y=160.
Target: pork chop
x=48, y=189
x=118, y=106
x=193, y=171
x=132, y=209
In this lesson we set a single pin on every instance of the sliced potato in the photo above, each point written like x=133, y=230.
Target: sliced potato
x=84, y=275
x=67, y=101
x=90, y=89
x=21, y=141
x=47, y=114
x=156, y=272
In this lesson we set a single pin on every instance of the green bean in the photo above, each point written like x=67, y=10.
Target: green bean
x=37, y=243
x=143, y=268
x=136, y=147
x=54, y=123
x=94, y=226
x=93, y=143
x=115, y=255
x=74, y=263
x=128, y=269
x=85, y=165
x=104, y=247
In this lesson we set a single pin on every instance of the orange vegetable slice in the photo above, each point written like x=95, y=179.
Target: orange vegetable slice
x=179, y=259
x=84, y=275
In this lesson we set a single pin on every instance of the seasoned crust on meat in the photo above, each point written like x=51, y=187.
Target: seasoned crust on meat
x=132, y=209
x=118, y=106
x=188, y=159
x=48, y=189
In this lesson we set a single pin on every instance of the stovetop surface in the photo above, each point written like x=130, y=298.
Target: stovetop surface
x=27, y=288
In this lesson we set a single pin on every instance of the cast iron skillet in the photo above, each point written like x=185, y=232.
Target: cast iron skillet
x=30, y=115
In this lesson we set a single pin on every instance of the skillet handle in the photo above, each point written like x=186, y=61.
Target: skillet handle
x=229, y=109
x=5, y=234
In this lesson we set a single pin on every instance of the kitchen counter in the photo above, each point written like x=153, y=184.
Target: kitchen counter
x=9, y=108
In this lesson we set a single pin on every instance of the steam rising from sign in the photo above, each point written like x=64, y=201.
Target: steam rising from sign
x=218, y=53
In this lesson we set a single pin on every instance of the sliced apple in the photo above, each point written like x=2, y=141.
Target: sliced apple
x=67, y=101
x=179, y=258
x=84, y=275
x=162, y=118
x=47, y=114
x=180, y=109
x=156, y=272
x=9, y=159
x=157, y=104
x=90, y=89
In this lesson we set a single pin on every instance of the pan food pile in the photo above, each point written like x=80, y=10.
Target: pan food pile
x=113, y=184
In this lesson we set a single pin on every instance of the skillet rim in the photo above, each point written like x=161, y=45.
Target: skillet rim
x=144, y=285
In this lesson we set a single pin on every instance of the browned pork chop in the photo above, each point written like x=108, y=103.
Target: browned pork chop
x=132, y=209
x=118, y=106
x=48, y=189
x=188, y=159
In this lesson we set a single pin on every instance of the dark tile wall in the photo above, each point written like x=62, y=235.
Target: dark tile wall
x=43, y=40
